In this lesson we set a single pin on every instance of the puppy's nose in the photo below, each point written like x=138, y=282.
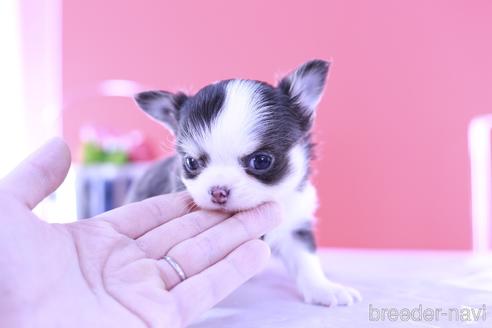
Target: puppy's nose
x=219, y=194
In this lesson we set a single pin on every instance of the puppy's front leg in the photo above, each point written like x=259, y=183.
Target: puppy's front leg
x=297, y=250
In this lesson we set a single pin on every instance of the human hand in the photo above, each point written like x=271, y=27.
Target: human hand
x=108, y=271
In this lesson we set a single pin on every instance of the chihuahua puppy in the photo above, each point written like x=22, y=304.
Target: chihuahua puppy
x=241, y=143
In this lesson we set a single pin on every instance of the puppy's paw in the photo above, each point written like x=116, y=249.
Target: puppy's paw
x=327, y=293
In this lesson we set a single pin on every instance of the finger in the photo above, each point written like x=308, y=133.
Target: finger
x=207, y=248
x=39, y=174
x=199, y=293
x=135, y=219
x=157, y=242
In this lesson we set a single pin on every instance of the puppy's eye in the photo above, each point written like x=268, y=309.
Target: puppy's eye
x=261, y=162
x=192, y=164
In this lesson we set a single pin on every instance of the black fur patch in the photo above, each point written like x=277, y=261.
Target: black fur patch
x=279, y=130
x=284, y=122
x=197, y=115
x=308, y=146
x=199, y=111
x=305, y=235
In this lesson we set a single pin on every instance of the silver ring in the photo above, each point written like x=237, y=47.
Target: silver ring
x=176, y=267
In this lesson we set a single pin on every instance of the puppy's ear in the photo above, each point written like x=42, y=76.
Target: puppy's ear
x=163, y=106
x=305, y=85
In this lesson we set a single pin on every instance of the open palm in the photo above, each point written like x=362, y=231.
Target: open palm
x=108, y=270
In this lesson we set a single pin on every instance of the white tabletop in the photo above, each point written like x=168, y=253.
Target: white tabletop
x=386, y=279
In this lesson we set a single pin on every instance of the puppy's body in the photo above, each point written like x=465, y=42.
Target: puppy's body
x=163, y=177
x=241, y=143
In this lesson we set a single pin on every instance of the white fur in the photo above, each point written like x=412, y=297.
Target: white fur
x=232, y=136
x=232, y=132
x=308, y=274
x=298, y=209
x=246, y=191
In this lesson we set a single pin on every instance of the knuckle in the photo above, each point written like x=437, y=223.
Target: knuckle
x=207, y=247
x=142, y=244
x=153, y=209
x=233, y=264
x=196, y=222
x=243, y=222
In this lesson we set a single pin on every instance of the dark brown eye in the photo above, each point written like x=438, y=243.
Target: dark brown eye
x=191, y=164
x=261, y=162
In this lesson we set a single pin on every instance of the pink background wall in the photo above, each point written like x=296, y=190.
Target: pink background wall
x=407, y=77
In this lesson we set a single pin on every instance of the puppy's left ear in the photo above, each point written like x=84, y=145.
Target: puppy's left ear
x=305, y=85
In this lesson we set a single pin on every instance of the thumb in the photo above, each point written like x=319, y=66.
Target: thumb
x=39, y=174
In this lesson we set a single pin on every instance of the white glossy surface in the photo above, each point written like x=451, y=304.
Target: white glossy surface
x=386, y=279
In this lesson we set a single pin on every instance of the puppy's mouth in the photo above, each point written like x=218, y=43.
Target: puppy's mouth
x=226, y=207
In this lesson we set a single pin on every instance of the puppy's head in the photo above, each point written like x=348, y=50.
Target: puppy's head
x=242, y=142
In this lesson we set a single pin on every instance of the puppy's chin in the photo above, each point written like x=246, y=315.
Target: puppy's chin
x=228, y=208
